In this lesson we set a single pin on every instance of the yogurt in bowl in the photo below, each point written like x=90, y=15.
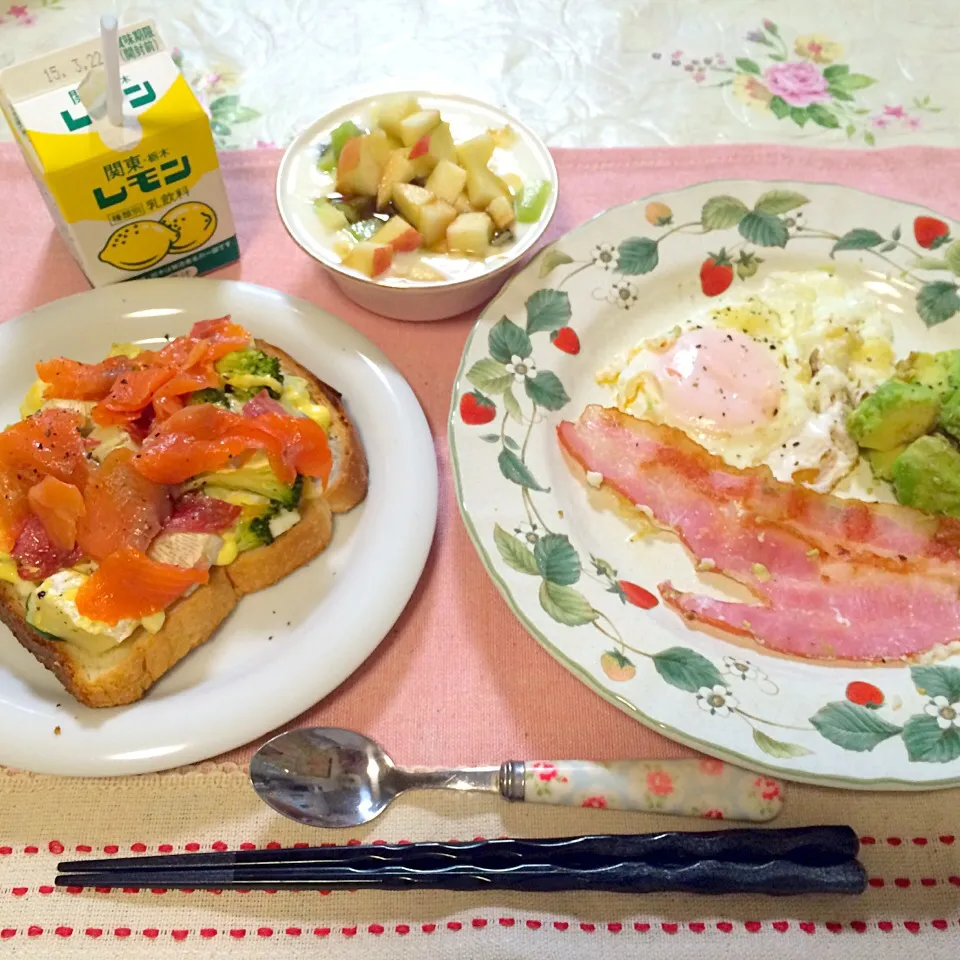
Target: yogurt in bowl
x=417, y=204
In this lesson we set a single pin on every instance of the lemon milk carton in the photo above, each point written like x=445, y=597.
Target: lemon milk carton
x=142, y=199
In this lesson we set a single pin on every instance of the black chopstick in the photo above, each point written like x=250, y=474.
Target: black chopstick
x=816, y=846
x=776, y=878
x=777, y=862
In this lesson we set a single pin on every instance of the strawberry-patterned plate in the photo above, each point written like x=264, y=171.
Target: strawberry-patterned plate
x=575, y=574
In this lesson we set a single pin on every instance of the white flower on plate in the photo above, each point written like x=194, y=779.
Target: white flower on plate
x=718, y=701
x=604, y=255
x=522, y=369
x=744, y=670
x=527, y=531
x=947, y=713
x=623, y=294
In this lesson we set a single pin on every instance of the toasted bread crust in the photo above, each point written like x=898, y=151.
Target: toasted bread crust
x=255, y=569
x=146, y=657
x=348, y=483
x=123, y=675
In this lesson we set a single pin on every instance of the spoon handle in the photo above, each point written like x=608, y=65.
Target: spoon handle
x=688, y=788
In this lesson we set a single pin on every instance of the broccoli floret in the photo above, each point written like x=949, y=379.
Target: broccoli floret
x=255, y=476
x=255, y=532
x=260, y=526
x=296, y=492
x=247, y=372
x=251, y=361
x=210, y=395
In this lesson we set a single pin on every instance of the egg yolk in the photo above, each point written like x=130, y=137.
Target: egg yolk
x=720, y=381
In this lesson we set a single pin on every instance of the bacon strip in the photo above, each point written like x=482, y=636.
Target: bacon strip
x=821, y=593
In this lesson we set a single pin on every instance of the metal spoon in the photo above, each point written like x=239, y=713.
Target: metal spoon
x=327, y=777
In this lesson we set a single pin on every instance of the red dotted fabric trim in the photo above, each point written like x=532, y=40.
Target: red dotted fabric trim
x=480, y=923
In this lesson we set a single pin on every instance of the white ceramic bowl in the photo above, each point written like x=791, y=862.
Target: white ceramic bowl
x=422, y=301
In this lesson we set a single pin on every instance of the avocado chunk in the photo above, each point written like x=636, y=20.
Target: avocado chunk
x=940, y=371
x=950, y=415
x=896, y=414
x=882, y=461
x=49, y=618
x=927, y=476
x=255, y=476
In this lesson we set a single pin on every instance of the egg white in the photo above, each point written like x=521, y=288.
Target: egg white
x=832, y=343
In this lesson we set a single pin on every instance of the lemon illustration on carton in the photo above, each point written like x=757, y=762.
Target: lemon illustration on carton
x=138, y=245
x=194, y=223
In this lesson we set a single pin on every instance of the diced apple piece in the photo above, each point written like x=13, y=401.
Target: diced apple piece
x=476, y=152
x=441, y=143
x=359, y=168
x=398, y=169
x=369, y=258
x=483, y=187
x=501, y=212
x=413, y=127
x=433, y=147
x=410, y=200
x=331, y=218
x=395, y=109
x=447, y=181
x=470, y=233
x=425, y=274
x=462, y=203
x=342, y=247
x=399, y=234
x=503, y=137
x=381, y=145
x=514, y=183
x=434, y=219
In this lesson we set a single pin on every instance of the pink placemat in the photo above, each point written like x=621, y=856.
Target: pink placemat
x=458, y=680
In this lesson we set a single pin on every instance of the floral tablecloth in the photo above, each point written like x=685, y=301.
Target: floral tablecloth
x=604, y=73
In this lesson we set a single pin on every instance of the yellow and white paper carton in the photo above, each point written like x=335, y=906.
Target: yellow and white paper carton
x=143, y=200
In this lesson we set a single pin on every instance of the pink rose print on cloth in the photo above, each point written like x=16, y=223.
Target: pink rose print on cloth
x=801, y=80
x=712, y=814
x=799, y=84
x=711, y=767
x=659, y=783
x=597, y=803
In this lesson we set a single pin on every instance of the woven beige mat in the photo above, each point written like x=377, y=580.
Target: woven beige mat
x=912, y=906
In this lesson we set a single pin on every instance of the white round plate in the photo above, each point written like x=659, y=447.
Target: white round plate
x=285, y=648
x=631, y=273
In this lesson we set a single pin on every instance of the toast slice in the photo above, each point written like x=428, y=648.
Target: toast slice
x=124, y=674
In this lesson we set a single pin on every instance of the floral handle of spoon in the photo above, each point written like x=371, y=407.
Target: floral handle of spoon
x=700, y=787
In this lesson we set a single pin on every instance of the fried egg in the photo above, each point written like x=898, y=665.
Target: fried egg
x=767, y=379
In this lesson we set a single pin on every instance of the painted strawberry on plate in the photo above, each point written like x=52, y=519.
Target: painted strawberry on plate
x=930, y=232
x=476, y=409
x=716, y=274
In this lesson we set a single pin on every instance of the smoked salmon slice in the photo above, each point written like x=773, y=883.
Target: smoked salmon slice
x=46, y=444
x=123, y=508
x=128, y=585
x=72, y=380
x=58, y=506
x=205, y=437
x=222, y=334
